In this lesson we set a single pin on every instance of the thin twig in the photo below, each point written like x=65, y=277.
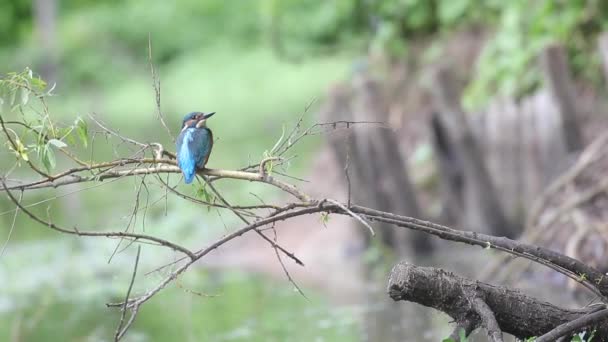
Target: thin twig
x=75, y=231
x=353, y=215
x=132, y=220
x=156, y=86
x=272, y=243
x=120, y=330
x=115, y=133
x=10, y=231
x=575, y=325
x=285, y=271
x=346, y=173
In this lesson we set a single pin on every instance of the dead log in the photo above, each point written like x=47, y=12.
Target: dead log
x=474, y=304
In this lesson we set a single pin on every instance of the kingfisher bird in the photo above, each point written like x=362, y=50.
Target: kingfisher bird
x=194, y=143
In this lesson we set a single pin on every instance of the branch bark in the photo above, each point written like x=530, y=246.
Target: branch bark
x=576, y=325
x=108, y=170
x=515, y=313
x=303, y=205
x=588, y=276
x=488, y=319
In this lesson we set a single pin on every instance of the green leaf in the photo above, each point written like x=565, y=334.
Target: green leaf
x=462, y=335
x=11, y=101
x=21, y=150
x=269, y=167
x=447, y=340
x=25, y=96
x=38, y=83
x=324, y=218
x=202, y=193
x=592, y=335
x=70, y=139
x=48, y=158
x=57, y=143
x=276, y=145
x=83, y=131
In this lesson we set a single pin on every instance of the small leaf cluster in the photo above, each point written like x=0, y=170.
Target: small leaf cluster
x=26, y=121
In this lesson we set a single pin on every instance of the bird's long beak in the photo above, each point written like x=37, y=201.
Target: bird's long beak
x=203, y=121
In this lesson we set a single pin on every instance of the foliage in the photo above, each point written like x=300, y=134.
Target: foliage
x=507, y=64
x=39, y=133
x=210, y=54
x=93, y=33
x=209, y=60
x=580, y=337
x=461, y=335
x=15, y=20
x=53, y=288
x=299, y=28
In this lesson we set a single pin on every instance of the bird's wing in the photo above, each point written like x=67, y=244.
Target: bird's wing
x=201, y=143
x=178, y=142
x=209, y=148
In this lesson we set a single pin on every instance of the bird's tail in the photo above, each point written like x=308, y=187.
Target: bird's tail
x=188, y=176
x=188, y=168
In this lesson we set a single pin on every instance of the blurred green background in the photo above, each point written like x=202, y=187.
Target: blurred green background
x=259, y=64
x=210, y=56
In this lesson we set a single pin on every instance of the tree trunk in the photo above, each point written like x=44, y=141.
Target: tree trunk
x=45, y=19
x=464, y=157
x=554, y=62
x=377, y=172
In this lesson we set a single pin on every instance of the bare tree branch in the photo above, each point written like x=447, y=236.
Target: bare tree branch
x=75, y=231
x=515, y=313
x=488, y=320
x=574, y=326
x=152, y=159
x=274, y=244
x=122, y=328
x=10, y=231
x=71, y=176
x=156, y=86
x=353, y=215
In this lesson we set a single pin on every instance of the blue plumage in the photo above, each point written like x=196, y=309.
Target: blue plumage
x=193, y=145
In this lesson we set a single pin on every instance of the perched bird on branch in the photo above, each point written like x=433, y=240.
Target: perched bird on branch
x=194, y=144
